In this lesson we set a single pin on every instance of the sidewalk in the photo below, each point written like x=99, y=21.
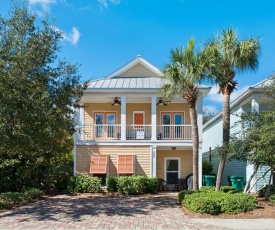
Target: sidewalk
x=240, y=223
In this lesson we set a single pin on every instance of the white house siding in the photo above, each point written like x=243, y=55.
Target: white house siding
x=265, y=180
x=212, y=137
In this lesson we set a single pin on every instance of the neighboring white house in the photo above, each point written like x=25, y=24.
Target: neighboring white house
x=252, y=100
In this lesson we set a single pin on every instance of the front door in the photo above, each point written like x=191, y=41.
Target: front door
x=172, y=170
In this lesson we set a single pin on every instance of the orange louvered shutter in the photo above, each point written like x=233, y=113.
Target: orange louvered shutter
x=125, y=164
x=99, y=164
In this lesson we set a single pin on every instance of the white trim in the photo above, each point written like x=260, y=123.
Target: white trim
x=129, y=65
x=154, y=161
x=154, y=118
x=74, y=160
x=123, y=118
x=171, y=158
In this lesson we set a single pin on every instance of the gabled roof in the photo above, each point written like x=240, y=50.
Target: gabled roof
x=258, y=87
x=134, y=62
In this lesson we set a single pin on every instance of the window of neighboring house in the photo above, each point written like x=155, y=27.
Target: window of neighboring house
x=172, y=125
x=99, y=166
x=125, y=164
x=139, y=119
x=105, y=124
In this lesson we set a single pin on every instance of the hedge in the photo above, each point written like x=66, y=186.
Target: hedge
x=8, y=199
x=263, y=191
x=85, y=184
x=132, y=185
x=219, y=202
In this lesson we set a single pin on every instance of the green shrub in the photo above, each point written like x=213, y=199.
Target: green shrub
x=237, y=203
x=112, y=184
x=8, y=199
x=219, y=202
x=151, y=185
x=85, y=184
x=182, y=194
x=207, y=167
x=272, y=199
x=263, y=191
x=229, y=189
x=202, y=202
x=207, y=188
x=132, y=185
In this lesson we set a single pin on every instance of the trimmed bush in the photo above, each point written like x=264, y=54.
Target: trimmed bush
x=263, y=191
x=183, y=193
x=219, y=202
x=207, y=188
x=151, y=185
x=112, y=184
x=85, y=184
x=8, y=199
x=229, y=189
x=272, y=199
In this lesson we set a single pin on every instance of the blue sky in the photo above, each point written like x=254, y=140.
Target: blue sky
x=103, y=35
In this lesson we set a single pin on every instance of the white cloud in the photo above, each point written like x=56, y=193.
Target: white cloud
x=43, y=3
x=72, y=37
x=211, y=109
x=215, y=97
x=105, y=3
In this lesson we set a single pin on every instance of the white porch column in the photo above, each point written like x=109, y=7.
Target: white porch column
x=153, y=161
x=154, y=118
x=81, y=122
x=254, y=109
x=199, y=117
x=123, y=118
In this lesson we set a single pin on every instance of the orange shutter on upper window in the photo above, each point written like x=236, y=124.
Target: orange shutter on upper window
x=99, y=164
x=125, y=164
x=138, y=119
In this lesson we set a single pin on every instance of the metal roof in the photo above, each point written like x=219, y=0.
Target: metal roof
x=126, y=83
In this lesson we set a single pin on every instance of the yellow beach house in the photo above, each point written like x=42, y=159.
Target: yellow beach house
x=126, y=128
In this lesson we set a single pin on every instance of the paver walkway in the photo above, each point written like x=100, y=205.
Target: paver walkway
x=88, y=211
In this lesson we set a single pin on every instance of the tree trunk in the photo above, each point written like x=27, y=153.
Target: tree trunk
x=255, y=169
x=195, y=136
x=225, y=137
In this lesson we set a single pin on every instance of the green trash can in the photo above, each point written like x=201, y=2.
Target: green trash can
x=209, y=180
x=237, y=182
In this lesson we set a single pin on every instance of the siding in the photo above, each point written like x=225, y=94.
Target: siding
x=84, y=153
x=185, y=161
x=138, y=71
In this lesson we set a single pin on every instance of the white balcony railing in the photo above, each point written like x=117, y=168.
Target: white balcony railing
x=135, y=132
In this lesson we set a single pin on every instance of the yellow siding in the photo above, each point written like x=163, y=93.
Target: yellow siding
x=174, y=107
x=138, y=71
x=185, y=161
x=131, y=107
x=84, y=153
x=89, y=110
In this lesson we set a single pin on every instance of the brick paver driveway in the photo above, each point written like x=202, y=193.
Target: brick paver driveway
x=101, y=212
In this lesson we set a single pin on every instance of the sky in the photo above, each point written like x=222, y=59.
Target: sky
x=103, y=35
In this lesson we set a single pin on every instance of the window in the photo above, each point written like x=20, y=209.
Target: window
x=125, y=164
x=172, y=170
x=172, y=125
x=105, y=124
x=138, y=119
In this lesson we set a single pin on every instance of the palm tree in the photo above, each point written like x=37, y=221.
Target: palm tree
x=230, y=55
x=181, y=76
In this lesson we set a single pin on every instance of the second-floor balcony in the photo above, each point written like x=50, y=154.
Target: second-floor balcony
x=135, y=132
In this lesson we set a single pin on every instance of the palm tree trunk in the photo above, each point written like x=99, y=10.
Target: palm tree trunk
x=226, y=135
x=195, y=135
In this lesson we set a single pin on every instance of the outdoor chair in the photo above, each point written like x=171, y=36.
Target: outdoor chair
x=181, y=185
x=162, y=185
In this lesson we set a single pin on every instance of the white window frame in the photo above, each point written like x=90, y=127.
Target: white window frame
x=171, y=158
